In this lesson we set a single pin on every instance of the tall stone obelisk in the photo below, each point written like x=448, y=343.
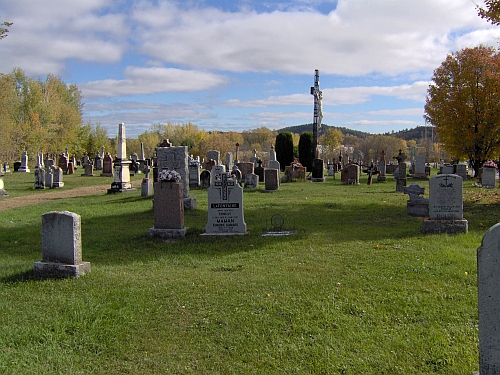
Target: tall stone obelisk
x=121, y=169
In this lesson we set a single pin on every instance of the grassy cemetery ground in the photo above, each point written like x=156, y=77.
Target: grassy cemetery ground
x=358, y=289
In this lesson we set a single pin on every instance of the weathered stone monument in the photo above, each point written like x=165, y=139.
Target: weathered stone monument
x=107, y=166
x=382, y=168
x=225, y=205
x=271, y=179
x=61, y=246
x=24, y=163
x=416, y=205
x=175, y=158
x=121, y=172
x=419, y=171
x=39, y=178
x=488, y=285
x=445, y=205
x=488, y=178
x=273, y=163
x=401, y=175
x=214, y=155
x=168, y=207
x=251, y=181
x=353, y=174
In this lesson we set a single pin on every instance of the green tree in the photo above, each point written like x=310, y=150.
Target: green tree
x=4, y=30
x=284, y=149
x=330, y=142
x=306, y=152
x=463, y=103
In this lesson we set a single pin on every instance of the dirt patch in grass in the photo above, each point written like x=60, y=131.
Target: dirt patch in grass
x=7, y=203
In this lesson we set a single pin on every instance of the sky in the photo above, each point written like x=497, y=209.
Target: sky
x=235, y=65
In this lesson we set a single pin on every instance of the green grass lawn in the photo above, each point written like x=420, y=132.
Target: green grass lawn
x=358, y=289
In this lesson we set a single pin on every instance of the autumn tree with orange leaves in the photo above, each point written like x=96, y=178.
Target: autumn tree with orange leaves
x=463, y=103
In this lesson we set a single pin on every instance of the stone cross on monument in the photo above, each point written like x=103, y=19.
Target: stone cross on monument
x=224, y=186
x=318, y=111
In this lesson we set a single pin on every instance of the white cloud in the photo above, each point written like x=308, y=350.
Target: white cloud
x=359, y=37
x=340, y=96
x=140, y=80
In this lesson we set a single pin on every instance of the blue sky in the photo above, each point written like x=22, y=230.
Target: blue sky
x=242, y=64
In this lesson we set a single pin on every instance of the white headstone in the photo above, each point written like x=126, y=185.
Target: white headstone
x=121, y=152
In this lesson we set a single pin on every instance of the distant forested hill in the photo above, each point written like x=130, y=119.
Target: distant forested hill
x=299, y=129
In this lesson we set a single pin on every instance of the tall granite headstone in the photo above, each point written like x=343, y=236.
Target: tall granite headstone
x=225, y=205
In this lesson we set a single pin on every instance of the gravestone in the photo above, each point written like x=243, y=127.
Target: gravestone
x=447, y=169
x=107, y=166
x=353, y=174
x=245, y=168
x=401, y=177
x=251, y=181
x=488, y=179
x=461, y=170
x=205, y=179
x=168, y=208
x=88, y=170
x=382, y=168
x=39, y=178
x=214, y=155
x=98, y=163
x=254, y=158
x=71, y=168
x=271, y=179
x=61, y=246
x=273, y=163
x=121, y=169
x=259, y=170
x=58, y=178
x=6, y=167
x=194, y=173
x=419, y=171
x=49, y=177
x=225, y=205
x=416, y=205
x=2, y=190
x=488, y=291
x=445, y=205
x=229, y=161
x=63, y=162
x=146, y=184
x=24, y=163
x=175, y=158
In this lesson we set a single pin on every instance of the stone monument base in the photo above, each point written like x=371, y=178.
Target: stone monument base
x=224, y=234
x=121, y=187
x=57, y=184
x=400, y=185
x=445, y=226
x=381, y=178
x=60, y=270
x=189, y=203
x=420, y=209
x=167, y=234
x=23, y=169
x=146, y=187
x=419, y=176
x=106, y=174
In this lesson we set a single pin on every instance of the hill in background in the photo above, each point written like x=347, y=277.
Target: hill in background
x=420, y=132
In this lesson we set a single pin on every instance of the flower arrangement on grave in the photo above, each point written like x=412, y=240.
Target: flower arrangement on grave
x=491, y=164
x=169, y=176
